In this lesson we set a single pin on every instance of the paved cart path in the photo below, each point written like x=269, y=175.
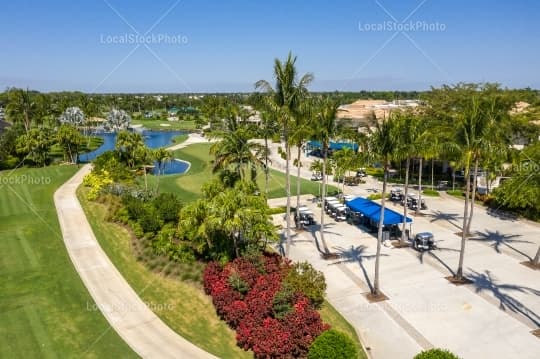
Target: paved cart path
x=128, y=315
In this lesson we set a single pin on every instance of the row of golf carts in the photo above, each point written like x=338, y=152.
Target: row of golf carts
x=397, y=196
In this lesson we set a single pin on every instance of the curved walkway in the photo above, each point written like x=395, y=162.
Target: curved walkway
x=127, y=314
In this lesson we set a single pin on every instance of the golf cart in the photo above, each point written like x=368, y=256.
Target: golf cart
x=412, y=202
x=305, y=216
x=424, y=241
x=396, y=194
x=340, y=213
x=316, y=176
x=361, y=172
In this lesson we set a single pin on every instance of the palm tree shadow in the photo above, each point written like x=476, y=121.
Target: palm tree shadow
x=356, y=254
x=316, y=228
x=448, y=217
x=431, y=253
x=499, y=239
x=487, y=282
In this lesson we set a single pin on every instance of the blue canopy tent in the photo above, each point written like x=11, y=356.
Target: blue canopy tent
x=372, y=211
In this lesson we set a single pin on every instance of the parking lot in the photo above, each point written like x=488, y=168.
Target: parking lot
x=492, y=317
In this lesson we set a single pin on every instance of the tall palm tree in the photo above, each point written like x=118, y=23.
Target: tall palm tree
x=325, y=128
x=383, y=145
x=21, y=107
x=406, y=128
x=479, y=124
x=235, y=149
x=162, y=157
x=302, y=131
x=287, y=95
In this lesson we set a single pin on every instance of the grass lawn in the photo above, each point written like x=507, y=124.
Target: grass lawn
x=45, y=310
x=188, y=186
x=170, y=125
x=180, y=138
x=184, y=307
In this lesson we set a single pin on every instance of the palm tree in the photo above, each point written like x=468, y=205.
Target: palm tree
x=325, y=128
x=383, y=145
x=287, y=96
x=302, y=130
x=162, y=157
x=471, y=133
x=21, y=107
x=235, y=149
x=406, y=127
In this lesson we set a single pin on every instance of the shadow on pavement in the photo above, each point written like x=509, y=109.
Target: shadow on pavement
x=499, y=239
x=432, y=254
x=448, y=217
x=487, y=282
x=358, y=255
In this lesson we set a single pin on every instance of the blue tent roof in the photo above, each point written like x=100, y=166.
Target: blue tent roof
x=372, y=210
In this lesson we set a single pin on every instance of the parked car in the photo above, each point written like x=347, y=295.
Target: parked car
x=424, y=241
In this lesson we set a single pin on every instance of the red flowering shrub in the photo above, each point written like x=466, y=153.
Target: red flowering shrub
x=252, y=313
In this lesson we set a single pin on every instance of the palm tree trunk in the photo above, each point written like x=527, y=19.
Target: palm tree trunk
x=323, y=194
x=266, y=164
x=375, y=290
x=405, y=202
x=433, y=173
x=298, y=154
x=459, y=272
x=473, y=195
x=536, y=260
x=419, y=187
x=288, y=193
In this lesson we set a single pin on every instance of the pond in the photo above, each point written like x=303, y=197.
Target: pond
x=152, y=139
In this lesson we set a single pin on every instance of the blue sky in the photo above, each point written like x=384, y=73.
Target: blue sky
x=202, y=45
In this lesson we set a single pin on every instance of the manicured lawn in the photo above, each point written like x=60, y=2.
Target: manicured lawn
x=184, y=307
x=166, y=125
x=45, y=310
x=188, y=186
x=180, y=138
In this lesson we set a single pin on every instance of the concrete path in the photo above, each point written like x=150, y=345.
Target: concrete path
x=128, y=315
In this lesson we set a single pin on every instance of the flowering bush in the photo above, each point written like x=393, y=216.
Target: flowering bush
x=270, y=318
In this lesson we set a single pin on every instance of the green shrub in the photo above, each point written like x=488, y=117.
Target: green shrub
x=307, y=280
x=436, y=354
x=277, y=210
x=456, y=193
x=282, y=302
x=149, y=220
x=168, y=206
x=332, y=344
x=431, y=192
x=238, y=284
x=376, y=196
x=97, y=181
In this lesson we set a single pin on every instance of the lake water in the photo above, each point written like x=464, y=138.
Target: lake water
x=152, y=139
